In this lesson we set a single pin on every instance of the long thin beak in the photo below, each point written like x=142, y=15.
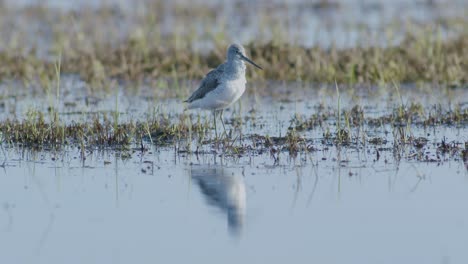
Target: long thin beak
x=251, y=62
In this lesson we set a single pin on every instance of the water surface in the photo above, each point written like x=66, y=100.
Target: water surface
x=159, y=207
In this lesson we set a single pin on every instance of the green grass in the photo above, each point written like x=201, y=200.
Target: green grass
x=102, y=131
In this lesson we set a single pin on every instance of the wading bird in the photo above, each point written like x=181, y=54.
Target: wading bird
x=222, y=86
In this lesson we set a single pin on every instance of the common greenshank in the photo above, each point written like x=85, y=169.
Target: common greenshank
x=222, y=86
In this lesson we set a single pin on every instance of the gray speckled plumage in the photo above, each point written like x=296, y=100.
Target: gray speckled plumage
x=208, y=84
x=224, y=85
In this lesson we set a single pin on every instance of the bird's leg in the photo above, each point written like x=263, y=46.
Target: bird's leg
x=214, y=122
x=222, y=121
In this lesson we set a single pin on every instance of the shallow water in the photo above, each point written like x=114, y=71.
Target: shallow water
x=161, y=206
x=356, y=203
x=361, y=203
x=343, y=24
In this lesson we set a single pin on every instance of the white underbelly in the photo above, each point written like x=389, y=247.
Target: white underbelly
x=222, y=97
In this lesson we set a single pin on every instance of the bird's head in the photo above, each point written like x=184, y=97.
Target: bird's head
x=237, y=52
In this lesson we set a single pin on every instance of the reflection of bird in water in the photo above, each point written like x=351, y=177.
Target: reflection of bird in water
x=223, y=189
x=465, y=155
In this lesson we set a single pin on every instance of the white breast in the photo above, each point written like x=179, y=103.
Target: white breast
x=230, y=89
x=236, y=88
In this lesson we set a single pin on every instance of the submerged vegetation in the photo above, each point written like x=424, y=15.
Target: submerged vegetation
x=185, y=130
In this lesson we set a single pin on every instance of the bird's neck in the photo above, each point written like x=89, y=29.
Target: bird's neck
x=235, y=68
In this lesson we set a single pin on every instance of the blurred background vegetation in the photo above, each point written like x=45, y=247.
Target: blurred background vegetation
x=313, y=41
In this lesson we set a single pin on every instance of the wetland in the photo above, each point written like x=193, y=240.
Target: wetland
x=351, y=145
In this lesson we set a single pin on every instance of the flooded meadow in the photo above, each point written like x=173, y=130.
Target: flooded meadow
x=280, y=186
x=344, y=149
